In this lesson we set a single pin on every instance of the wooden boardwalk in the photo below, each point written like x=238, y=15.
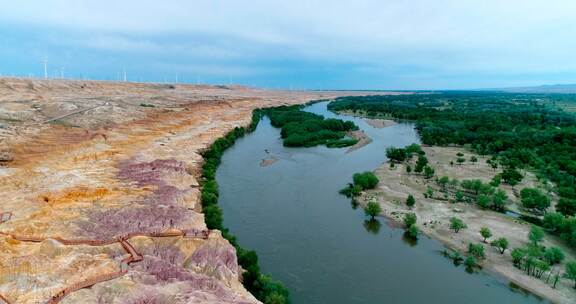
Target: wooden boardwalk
x=133, y=255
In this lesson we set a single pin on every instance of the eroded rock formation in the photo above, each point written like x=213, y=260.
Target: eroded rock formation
x=99, y=185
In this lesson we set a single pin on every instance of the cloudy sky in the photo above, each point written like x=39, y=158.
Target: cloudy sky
x=313, y=44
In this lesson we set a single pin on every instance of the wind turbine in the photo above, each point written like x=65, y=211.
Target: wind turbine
x=45, y=67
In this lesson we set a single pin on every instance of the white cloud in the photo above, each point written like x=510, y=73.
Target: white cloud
x=445, y=36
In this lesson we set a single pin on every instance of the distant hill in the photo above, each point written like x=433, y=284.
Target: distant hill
x=556, y=88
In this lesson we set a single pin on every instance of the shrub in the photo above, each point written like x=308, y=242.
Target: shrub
x=413, y=231
x=477, y=250
x=366, y=180
x=213, y=217
x=410, y=201
x=396, y=154
x=351, y=190
x=409, y=219
x=554, y=255
x=485, y=233
x=511, y=176
x=428, y=172
x=566, y=206
x=534, y=199
x=501, y=244
x=470, y=262
x=372, y=209
x=457, y=224
x=536, y=234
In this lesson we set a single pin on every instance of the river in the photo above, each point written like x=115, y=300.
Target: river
x=312, y=239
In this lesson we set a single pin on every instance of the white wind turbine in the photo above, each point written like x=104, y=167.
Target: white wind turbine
x=45, y=67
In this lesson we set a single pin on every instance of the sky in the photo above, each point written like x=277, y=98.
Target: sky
x=298, y=44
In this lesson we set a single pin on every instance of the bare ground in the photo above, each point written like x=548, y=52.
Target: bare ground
x=362, y=138
x=434, y=214
x=380, y=123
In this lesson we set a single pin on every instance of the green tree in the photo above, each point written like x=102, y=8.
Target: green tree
x=477, y=250
x=409, y=219
x=396, y=154
x=443, y=181
x=372, y=209
x=460, y=160
x=414, y=148
x=213, y=215
x=511, y=176
x=554, y=255
x=499, y=200
x=485, y=233
x=408, y=169
x=351, y=190
x=473, y=159
x=536, y=235
x=470, y=262
x=534, y=199
x=421, y=163
x=570, y=272
x=518, y=255
x=459, y=196
x=366, y=180
x=275, y=298
x=483, y=201
x=453, y=183
x=566, y=206
x=429, y=192
x=410, y=201
x=553, y=222
x=540, y=267
x=501, y=244
x=428, y=172
x=413, y=231
x=457, y=224
x=496, y=180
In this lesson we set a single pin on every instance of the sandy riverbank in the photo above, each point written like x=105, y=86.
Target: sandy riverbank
x=361, y=136
x=434, y=214
x=380, y=123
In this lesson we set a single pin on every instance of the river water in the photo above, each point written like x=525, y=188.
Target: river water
x=312, y=239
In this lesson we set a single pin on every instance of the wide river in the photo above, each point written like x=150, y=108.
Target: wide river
x=312, y=239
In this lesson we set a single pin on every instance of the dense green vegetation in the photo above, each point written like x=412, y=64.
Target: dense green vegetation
x=520, y=131
x=260, y=285
x=304, y=129
x=535, y=259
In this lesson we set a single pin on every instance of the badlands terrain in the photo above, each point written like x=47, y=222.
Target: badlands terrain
x=99, y=185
